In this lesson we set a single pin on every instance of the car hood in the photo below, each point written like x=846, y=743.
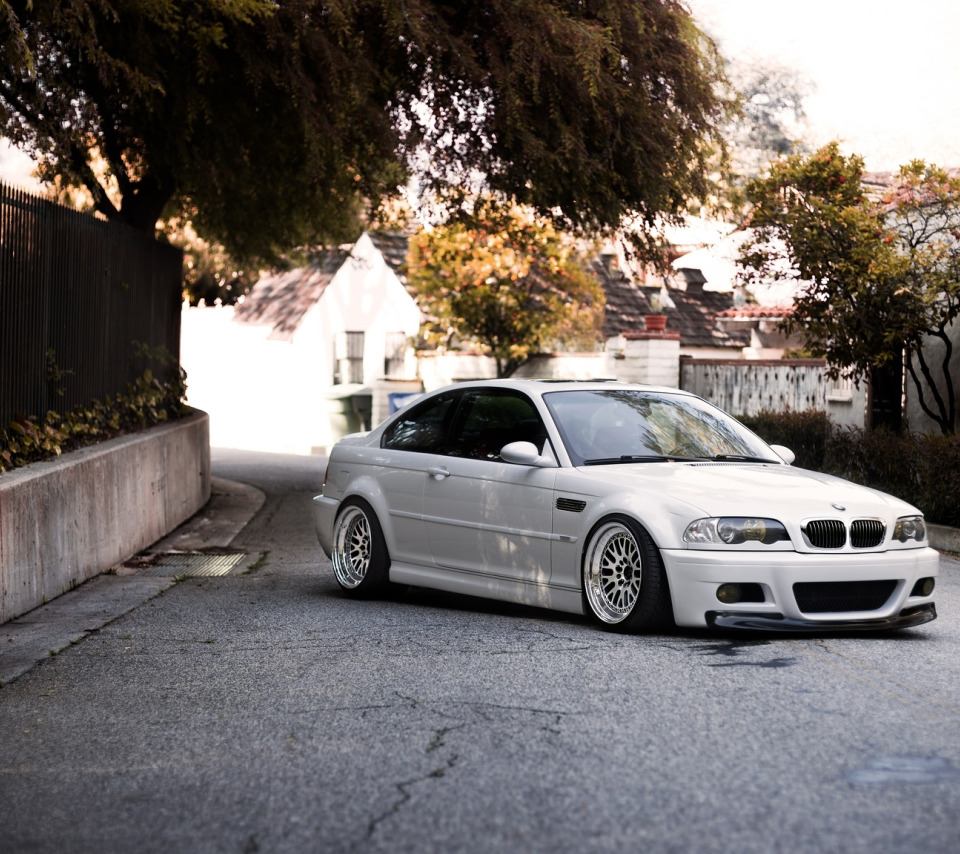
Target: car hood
x=746, y=489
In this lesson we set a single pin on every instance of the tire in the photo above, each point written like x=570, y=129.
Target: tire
x=624, y=582
x=361, y=564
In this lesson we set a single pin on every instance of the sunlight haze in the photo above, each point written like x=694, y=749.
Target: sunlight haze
x=886, y=73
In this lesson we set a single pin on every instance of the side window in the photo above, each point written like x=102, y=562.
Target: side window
x=423, y=428
x=348, y=358
x=493, y=419
x=395, y=349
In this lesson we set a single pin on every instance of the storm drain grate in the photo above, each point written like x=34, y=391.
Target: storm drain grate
x=193, y=565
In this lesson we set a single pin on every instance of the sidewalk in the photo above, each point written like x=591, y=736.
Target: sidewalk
x=69, y=618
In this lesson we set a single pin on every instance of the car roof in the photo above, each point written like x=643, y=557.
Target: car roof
x=538, y=387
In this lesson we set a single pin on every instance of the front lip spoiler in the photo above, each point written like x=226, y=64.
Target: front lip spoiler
x=907, y=618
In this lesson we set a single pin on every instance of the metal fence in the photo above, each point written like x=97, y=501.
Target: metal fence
x=80, y=299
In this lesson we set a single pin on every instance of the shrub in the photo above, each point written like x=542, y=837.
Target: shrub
x=146, y=402
x=922, y=470
x=939, y=496
x=888, y=461
x=804, y=433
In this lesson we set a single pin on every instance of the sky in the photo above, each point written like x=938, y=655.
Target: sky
x=886, y=72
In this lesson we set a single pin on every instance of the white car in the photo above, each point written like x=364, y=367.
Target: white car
x=637, y=506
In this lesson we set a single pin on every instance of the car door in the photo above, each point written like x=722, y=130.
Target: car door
x=481, y=514
x=414, y=444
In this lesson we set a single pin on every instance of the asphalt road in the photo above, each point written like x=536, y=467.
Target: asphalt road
x=263, y=711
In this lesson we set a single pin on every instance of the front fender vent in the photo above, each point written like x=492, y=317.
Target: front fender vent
x=572, y=504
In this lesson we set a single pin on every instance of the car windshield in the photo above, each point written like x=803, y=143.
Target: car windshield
x=631, y=425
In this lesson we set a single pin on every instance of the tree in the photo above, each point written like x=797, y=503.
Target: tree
x=925, y=213
x=268, y=122
x=766, y=124
x=508, y=281
x=772, y=111
x=880, y=278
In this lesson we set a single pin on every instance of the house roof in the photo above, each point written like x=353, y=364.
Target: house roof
x=693, y=313
x=757, y=312
x=282, y=299
x=717, y=265
x=393, y=248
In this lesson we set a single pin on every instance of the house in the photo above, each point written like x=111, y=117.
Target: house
x=313, y=353
x=309, y=353
x=690, y=311
x=882, y=401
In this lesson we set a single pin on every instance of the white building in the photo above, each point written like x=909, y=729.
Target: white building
x=307, y=354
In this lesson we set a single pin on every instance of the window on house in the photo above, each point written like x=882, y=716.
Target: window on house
x=840, y=390
x=394, y=353
x=348, y=358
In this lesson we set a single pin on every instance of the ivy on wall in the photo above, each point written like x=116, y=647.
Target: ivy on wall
x=145, y=403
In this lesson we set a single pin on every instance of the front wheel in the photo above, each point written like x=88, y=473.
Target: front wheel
x=624, y=583
x=360, y=561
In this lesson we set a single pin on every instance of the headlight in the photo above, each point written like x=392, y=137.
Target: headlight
x=733, y=530
x=910, y=528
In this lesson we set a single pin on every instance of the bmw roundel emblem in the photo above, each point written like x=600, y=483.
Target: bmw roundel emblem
x=839, y=507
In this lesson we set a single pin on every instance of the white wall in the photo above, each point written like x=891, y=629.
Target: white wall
x=272, y=395
x=917, y=420
x=65, y=520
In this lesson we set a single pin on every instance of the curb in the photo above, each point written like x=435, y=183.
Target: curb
x=944, y=539
x=45, y=631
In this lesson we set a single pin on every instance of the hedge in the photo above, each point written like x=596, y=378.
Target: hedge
x=923, y=470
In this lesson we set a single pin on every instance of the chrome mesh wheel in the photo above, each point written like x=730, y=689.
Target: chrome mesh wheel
x=352, y=547
x=612, y=572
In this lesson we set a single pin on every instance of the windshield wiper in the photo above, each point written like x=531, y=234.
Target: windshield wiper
x=640, y=458
x=741, y=458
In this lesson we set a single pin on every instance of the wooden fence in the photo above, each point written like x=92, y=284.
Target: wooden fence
x=745, y=387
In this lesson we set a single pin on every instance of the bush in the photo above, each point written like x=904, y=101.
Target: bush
x=922, y=470
x=804, y=433
x=939, y=496
x=145, y=403
x=888, y=461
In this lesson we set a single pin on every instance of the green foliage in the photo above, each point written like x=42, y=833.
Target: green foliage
x=879, y=278
x=940, y=479
x=210, y=273
x=270, y=123
x=145, y=403
x=507, y=281
x=923, y=470
x=880, y=458
x=804, y=433
x=13, y=44
x=812, y=209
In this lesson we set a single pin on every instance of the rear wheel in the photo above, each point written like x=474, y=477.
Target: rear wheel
x=360, y=561
x=624, y=583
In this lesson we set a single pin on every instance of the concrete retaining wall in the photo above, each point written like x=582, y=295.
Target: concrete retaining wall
x=66, y=520
x=943, y=538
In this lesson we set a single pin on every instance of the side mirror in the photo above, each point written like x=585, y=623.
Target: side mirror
x=785, y=454
x=524, y=454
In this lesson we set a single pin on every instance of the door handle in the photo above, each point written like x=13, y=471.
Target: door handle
x=438, y=472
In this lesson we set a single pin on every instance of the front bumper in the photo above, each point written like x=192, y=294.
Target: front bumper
x=907, y=618
x=694, y=577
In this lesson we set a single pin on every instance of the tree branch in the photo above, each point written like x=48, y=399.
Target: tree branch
x=940, y=419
